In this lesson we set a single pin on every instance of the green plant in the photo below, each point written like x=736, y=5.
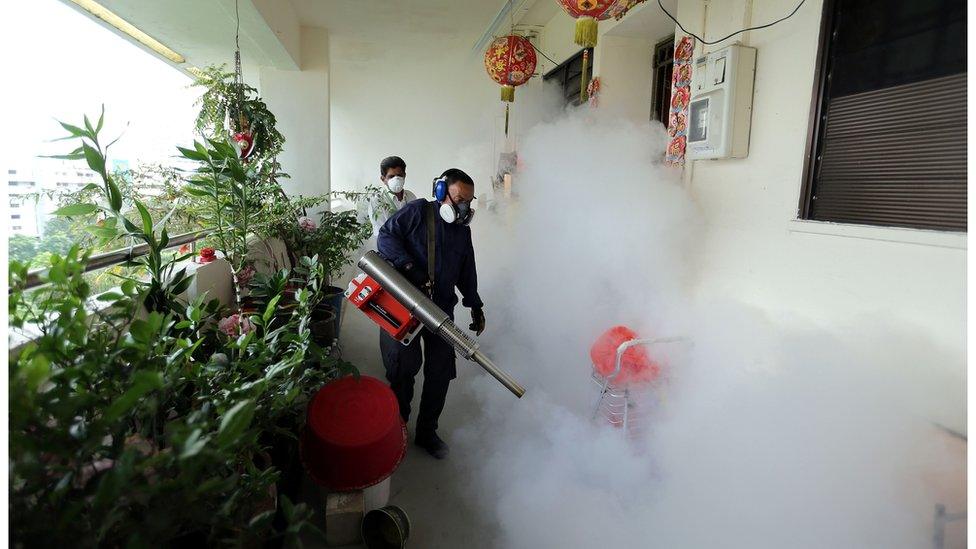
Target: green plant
x=332, y=239
x=227, y=107
x=165, y=281
x=138, y=421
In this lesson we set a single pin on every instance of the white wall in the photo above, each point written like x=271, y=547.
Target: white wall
x=300, y=102
x=837, y=275
x=432, y=104
x=840, y=276
x=624, y=68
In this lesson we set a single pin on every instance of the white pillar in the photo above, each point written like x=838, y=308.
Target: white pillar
x=300, y=103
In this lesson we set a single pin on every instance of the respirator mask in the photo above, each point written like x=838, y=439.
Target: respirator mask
x=395, y=184
x=460, y=213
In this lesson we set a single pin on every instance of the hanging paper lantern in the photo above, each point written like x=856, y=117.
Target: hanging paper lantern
x=510, y=61
x=587, y=13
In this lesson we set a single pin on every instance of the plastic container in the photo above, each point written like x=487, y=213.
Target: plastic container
x=635, y=364
x=354, y=437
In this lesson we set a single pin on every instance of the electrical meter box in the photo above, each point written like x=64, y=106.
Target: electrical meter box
x=720, y=112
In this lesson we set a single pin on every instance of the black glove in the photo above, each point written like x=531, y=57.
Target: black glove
x=417, y=277
x=477, y=321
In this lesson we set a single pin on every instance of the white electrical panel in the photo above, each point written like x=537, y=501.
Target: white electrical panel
x=720, y=112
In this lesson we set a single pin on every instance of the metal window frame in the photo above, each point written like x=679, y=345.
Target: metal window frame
x=655, y=85
x=817, y=114
x=561, y=71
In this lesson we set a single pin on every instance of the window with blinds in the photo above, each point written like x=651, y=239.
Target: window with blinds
x=568, y=75
x=887, y=143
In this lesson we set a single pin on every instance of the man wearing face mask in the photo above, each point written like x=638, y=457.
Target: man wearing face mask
x=404, y=240
x=393, y=173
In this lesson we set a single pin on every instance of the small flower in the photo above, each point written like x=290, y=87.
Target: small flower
x=245, y=275
x=307, y=223
x=184, y=249
x=235, y=324
x=207, y=255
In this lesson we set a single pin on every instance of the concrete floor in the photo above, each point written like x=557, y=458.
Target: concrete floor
x=429, y=490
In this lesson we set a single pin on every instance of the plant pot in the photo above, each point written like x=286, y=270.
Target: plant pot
x=335, y=297
x=386, y=528
x=323, y=329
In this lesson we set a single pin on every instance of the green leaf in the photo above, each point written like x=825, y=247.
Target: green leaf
x=101, y=119
x=141, y=331
x=147, y=224
x=72, y=156
x=102, y=231
x=192, y=154
x=76, y=209
x=261, y=520
x=143, y=382
x=114, y=195
x=88, y=126
x=109, y=296
x=182, y=285
x=74, y=130
x=36, y=371
x=95, y=159
x=234, y=422
x=129, y=226
x=193, y=444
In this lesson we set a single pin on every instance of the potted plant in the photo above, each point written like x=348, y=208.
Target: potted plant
x=149, y=419
x=332, y=239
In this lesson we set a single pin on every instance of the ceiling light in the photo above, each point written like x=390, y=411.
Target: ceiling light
x=109, y=17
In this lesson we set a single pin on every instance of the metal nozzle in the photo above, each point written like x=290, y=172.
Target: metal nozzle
x=432, y=317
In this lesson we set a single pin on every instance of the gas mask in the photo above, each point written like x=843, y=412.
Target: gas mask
x=395, y=183
x=460, y=213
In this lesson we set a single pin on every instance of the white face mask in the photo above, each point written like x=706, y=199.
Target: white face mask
x=395, y=184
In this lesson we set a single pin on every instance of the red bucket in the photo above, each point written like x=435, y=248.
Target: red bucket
x=354, y=437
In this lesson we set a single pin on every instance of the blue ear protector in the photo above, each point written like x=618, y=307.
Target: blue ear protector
x=440, y=188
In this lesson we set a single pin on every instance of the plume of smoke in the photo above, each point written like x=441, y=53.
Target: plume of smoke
x=769, y=434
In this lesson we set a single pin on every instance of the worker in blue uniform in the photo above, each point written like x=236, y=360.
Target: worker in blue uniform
x=404, y=241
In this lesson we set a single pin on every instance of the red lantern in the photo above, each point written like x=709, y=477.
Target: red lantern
x=510, y=61
x=587, y=13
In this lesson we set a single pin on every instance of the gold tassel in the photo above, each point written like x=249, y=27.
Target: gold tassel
x=586, y=31
x=584, y=78
x=508, y=93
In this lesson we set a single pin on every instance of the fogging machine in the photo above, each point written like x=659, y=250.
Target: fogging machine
x=402, y=310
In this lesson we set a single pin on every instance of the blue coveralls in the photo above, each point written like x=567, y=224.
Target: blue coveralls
x=403, y=240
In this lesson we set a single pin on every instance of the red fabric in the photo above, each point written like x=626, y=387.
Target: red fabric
x=355, y=436
x=510, y=60
x=635, y=365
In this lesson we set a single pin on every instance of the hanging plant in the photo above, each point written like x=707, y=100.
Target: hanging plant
x=235, y=112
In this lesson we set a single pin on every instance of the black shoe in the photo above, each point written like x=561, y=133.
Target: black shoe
x=433, y=444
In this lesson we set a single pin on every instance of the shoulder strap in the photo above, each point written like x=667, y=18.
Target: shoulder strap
x=431, y=226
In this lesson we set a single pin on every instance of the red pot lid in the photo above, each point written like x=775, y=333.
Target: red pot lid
x=354, y=437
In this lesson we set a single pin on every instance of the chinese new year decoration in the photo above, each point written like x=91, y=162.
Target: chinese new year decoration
x=680, y=97
x=589, y=12
x=510, y=61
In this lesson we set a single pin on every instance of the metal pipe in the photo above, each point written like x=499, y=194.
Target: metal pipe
x=108, y=259
x=432, y=317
